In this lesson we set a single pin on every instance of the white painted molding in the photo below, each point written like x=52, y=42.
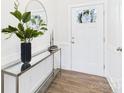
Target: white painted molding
x=86, y=4
x=111, y=83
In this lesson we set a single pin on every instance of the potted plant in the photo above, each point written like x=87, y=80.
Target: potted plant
x=25, y=33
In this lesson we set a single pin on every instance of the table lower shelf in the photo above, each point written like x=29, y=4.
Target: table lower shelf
x=44, y=86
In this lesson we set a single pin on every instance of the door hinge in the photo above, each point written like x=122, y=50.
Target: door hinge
x=104, y=12
x=104, y=39
x=104, y=67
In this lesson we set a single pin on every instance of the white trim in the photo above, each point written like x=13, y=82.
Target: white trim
x=87, y=4
x=42, y=5
x=111, y=83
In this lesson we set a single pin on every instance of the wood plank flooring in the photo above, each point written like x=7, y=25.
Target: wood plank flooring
x=75, y=82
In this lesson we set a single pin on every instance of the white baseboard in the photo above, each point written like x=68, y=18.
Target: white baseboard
x=112, y=84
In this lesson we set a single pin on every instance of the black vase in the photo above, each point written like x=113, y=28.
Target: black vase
x=25, y=66
x=25, y=52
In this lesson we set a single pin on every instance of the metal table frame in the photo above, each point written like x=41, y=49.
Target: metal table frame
x=17, y=76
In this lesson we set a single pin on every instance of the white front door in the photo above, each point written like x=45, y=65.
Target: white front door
x=87, y=39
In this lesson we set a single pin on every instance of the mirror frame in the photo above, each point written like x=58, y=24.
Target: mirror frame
x=41, y=5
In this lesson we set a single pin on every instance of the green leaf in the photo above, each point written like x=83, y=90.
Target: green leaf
x=26, y=17
x=17, y=14
x=40, y=33
x=13, y=28
x=20, y=26
x=33, y=21
x=6, y=30
x=43, y=28
x=20, y=36
x=15, y=6
x=10, y=29
x=28, y=33
x=43, y=24
x=35, y=33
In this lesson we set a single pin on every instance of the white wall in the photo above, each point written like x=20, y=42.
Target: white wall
x=113, y=41
x=11, y=47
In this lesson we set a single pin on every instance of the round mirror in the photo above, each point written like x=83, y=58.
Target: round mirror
x=38, y=14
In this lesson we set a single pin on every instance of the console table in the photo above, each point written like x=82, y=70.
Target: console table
x=19, y=79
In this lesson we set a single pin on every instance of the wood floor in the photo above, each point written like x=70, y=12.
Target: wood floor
x=74, y=82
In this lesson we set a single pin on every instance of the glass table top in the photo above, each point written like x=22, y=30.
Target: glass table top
x=37, y=58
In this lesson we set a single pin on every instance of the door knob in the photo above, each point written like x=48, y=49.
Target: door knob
x=73, y=38
x=119, y=49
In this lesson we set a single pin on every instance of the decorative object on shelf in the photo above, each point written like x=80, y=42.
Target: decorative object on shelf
x=52, y=47
x=26, y=52
x=25, y=66
x=52, y=38
x=25, y=32
x=84, y=15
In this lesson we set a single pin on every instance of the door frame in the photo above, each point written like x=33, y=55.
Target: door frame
x=104, y=28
